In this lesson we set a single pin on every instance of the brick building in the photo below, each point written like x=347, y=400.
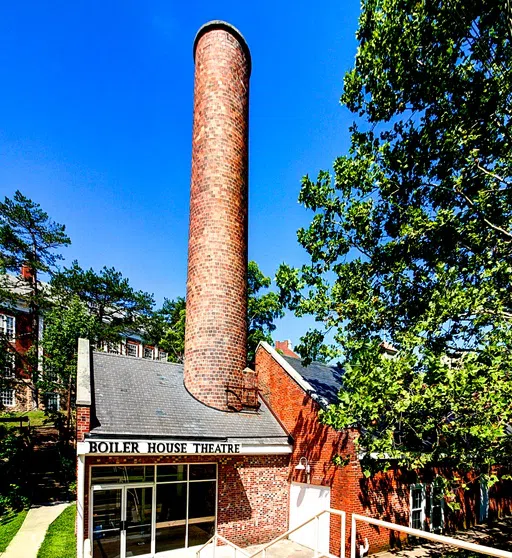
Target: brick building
x=17, y=328
x=413, y=498
x=170, y=454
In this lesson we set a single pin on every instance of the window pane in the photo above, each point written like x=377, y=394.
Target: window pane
x=118, y=474
x=416, y=498
x=200, y=472
x=170, y=538
x=171, y=503
x=416, y=519
x=139, y=503
x=107, y=511
x=199, y=533
x=7, y=397
x=131, y=349
x=201, y=499
x=166, y=473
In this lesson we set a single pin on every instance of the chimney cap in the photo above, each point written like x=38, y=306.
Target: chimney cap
x=219, y=24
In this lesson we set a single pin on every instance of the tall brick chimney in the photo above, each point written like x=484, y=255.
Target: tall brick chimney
x=216, y=330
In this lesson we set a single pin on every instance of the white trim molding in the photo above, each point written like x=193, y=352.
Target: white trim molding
x=138, y=446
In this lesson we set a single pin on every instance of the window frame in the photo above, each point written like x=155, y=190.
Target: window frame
x=132, y=344
x=440, y=504
x=3, y=326
x=422, y=509
x=105, y=486
x=13, y=397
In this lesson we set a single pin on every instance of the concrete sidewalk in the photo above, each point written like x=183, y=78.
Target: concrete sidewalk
x=29, y=538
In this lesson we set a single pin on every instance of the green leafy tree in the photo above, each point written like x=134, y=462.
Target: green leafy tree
x=411, y=241
x=167, y=328
x=262, y=309
x=116, y=306
x=28, y=237
x=64, y=325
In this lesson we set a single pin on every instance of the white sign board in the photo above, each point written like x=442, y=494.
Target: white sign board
x=174, y=447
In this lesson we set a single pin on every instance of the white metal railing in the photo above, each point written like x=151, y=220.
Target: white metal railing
x=422, y=534
x=220, y=538
x=315, y=518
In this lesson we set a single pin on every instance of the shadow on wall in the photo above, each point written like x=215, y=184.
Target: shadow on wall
x=318, y=442
x=386, y=495
x=233, y=503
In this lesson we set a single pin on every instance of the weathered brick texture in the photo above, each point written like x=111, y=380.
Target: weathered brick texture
x=83, y=422
x=215, y=342
x=252, y=504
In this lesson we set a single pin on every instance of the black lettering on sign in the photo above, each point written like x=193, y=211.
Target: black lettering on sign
x=93, y=447
x=102, y=447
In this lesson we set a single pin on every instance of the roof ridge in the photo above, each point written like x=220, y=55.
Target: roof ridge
x=128, y=357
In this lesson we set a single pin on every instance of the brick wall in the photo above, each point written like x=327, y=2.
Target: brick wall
x=215, y=338
x=384, y=495
x=252, y=493
x=83, y=422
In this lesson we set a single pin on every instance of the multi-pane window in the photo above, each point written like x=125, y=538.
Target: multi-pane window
x=53, y=401
x=113, y=348
x=148, y=352
x=7, y=397
x=8, y=369
x=7, y=326
x=184, y=507
x=417, y=500
x=132, y=349
x=437, y=506
x=162, y=355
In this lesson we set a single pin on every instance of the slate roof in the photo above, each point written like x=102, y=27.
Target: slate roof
x=325, y=379
x=134, y=397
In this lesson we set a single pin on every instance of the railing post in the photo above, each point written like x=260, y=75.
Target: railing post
x=214, y=546
x=353, y=538
x=343, y=534
x=264, y=553
x=317, y=525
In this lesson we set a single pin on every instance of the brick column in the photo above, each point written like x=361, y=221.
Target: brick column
x=216, y=330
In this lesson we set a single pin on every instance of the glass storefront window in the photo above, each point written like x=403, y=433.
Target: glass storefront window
x=120, y=474
x=168, y=473
x=201, y=502
x=208, y=471
x=180, y=514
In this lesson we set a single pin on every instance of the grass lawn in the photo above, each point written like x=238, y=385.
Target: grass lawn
x=9, y=525
x=36, y=418
x=60, y=540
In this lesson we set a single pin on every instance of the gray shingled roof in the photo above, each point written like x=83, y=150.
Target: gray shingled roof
x=137, y=397
x=325, y=379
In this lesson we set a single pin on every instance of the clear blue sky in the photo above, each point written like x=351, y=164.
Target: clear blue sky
x=96, y=122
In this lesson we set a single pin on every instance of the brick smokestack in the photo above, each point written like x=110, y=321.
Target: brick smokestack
x=216, y=330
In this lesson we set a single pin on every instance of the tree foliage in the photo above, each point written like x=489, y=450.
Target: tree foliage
x=411, y=241
x=262, y=309
x=117, y=307
x=29, y=238
x=168, y=326
x=167, y=329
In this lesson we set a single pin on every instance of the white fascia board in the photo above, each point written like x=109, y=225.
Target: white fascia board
x=137, y=447
x=288, y=368
x=83, y=374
